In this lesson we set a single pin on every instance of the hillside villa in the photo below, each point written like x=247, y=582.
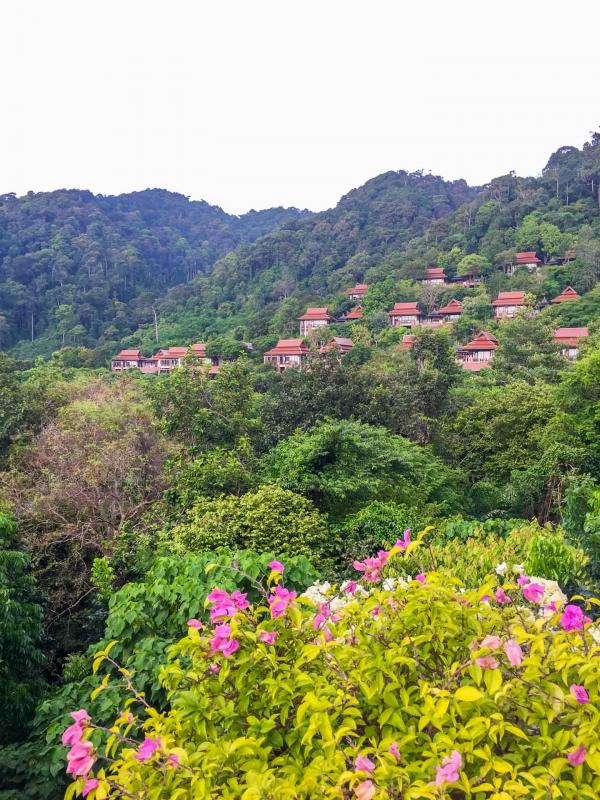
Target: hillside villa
x=287, y=353
x=434, y=276
x=567, y=294
x=568, y=339
x=313, y=318
x=508, y=303
x=357, y=292
x=405, y=315
x=478, y=353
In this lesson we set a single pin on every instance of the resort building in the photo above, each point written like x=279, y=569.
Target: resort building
x=508, y=303
x=452, y=311
x=566, y=295
x=478, y=353
x=405, y=315
x=568, y=339
x=435, y=276
x=314, y=318
x=357, y=292
x=287, y=353
x=338, y=344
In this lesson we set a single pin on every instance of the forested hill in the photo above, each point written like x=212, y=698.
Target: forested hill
x=86, y=268
x=386, y=233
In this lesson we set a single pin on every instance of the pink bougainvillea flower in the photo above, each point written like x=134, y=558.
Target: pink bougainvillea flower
x=421, y=577
x=365, y=790
x=485, y=599
x=72, y=734
x=513, y=652
x=393, y=749
x=375, y=611
x=579, y=693
x=577, y=756
x=194, y=623
x=276, y=566
x=449, y=769
x=363, y=764
x=148, y=747
x=80, y=716
x=523, y=580
x=405, y=541
x=80, y=759
x=533, y=592
x=372, y=566
x=487, y=662
x=173, y=760
x=280, y=601
x=225, y=605
x=350, y=587
x=222, y=642
x=240, y=600
x=323, y=614
x=268, y=637
x=214, y=668
x=89, y=785
x=573, y=618
x=502, y=597
x=493, y=642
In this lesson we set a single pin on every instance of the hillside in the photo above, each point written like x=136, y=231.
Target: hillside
x=80, y=268
x=387, y=232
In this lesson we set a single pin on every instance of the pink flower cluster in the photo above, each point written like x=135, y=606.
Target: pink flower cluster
x=573, y=618
x=533, y=592
x=449, y=769
x=280, y=601
x=222, y=641
x=225, y=605
x=148, y=747
x=371, y=567
x=80, y=758
x=511, y=649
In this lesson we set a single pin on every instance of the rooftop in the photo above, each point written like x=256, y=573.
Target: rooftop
x=510, y=299
x=289, y=347
x=405, y=309
x=434, y=272
x=567, y=294
x=453, y=307
x=527, y=257
x=360, y=288
x=315, y=313
x=483, y=341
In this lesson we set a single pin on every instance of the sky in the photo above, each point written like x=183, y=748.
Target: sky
x=260, y=103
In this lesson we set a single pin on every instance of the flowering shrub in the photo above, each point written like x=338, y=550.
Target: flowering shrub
x=387, y=688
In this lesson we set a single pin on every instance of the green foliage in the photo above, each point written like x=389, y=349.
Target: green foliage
x=423, y=667
x=268, y=519
x=147, y=618
x=20, y=637
x=342, y=465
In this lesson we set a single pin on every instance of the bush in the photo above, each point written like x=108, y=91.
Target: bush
x=417, y=691
x=270, y=519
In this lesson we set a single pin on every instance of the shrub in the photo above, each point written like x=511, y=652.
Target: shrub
x=415, y=691
x=270, y=519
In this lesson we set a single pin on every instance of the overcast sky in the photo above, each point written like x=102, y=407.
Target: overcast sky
x=258, y=103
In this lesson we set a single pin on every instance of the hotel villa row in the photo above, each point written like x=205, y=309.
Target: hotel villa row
x=474, y=356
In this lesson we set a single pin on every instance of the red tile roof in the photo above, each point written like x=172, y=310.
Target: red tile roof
x=483, y=341
x=354, y=314
x=570, y=335
x=407, y=341
x=315, y=313
x=405, y=310
x=528, y=257
x=338, y=343
x=199, y=349
x=131, y=354
x=453, y=307
x=434, y=273
x=177, y=352
x=289, y=347
x=565, y=295
x=360, y=288
x=510, y=299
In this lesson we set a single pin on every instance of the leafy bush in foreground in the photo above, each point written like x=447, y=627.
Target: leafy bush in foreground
x=386, y=690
